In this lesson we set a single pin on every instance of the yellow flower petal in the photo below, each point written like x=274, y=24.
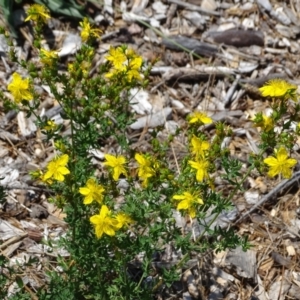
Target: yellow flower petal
x=184, y=204
x=291, y=162
x=271, y=161
x=199, y=117
x=95, y=219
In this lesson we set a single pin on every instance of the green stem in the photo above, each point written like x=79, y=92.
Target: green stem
x=142, y=277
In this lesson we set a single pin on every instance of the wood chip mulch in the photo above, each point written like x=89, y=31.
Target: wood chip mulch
x=235, y=47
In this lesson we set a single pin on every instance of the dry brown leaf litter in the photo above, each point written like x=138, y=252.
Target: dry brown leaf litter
x=241, y=46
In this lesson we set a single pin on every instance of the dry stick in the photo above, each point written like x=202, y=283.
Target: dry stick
x=200, y=93
x=13, y=240
x=231, y=90
x=33, y=296
x=22, y=205
x=25, y=188
x=194, y=7
x=171, y=12
x=282, y=185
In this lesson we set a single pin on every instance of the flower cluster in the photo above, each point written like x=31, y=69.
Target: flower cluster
x=87, y=31
x=189, y=201
x=146, y=168
x=266, y=123
x=199, y=147
x=127, y=202
x=106, y=221
x=125, y=62
x=82, y=68
x=48, y=57
x=50, y=126
x=37, y=13
x=123, y=69
x=280, y=163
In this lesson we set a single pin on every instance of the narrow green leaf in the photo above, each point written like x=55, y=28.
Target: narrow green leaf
x=19, y=282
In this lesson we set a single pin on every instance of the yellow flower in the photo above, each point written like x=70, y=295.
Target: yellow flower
x=20, y=88
x=92, y=191
x=125, y=62
x=279, y=88
x=51, y=126
x=89, y=53
x=130, y=53
x=112, y=73
x=71, y=68
x=117, y=57
x=199, y=146
x=144, y=164
x=145, y=170
x=201, y=165
x=136, y=63
x=263, y=121
x=104, y=222
x=56, y=169
x=48, y=57
x=133, y=74
x=85, y=68
x=199, y=117
x=37, y=12
x=117, y=163
x=123, y=220
x=188, y=202
x=48, y=181
x=38, y=174
x=280, y=164
x=82, y=69
x=87, y=31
